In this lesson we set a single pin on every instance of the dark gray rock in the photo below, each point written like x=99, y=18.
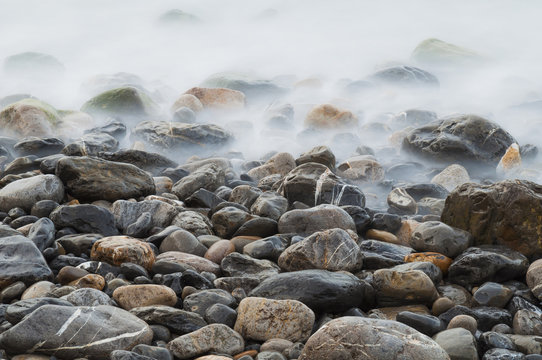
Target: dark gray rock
x=152, y=162
x=438, y=237
x=39, y=146
x=426, y=324
x=202, y=300
x=42, y=233
x=209, y=177
x=78, y=244
x=85, y=218
x=379, y=254
x=177, y=320
x=18, y=310
x=270, y=204
x=268, y=248
x=259, y=226
x=236, y=264
x=91, y=145
x=404, y=76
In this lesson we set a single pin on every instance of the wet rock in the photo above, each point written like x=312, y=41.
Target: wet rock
x=227, y=220
x=209, y=177
x=257, y=227
x=115, y=128
x=215, y=337
x=183, y=241
x=505, y=214
x=42, y=233
x=466, y=322
x=24, y=193
x=21, y=261
x=220, y=314
x=458, y=294
x=318, y=218
x=127, y=355
x=439, y=260
x=329, y=116
x=245, y=195
x=132, y=296
x=218, y=98
x=345, y=337
x=94, y=179
x=181, y=136
x=153, y=352
x=91, y=145
x=203, y=198
x=428, y=268
x=29, y=117
x=85, y=218
x=501, y=354
x=219, y=251
x=477, y=265
x=43, y=208
x=534, y=278
x=127, y=212
x=403, y=287
x=91, y=331
x=269, y=248
x=38, y=146
x=458, y=343
x=332, y=250
x=361, y=218
x=78, y=243
x=469, y=140
x=125, y=101
x=263, y=319
x=177, y=320
x=426, y=324
x=490, y=340
x=379, y=254
x=144, y=160
x=198, y=263
x=119, y=249
x=401, y=202
x=493, y=294
x=439, y=237
x=319, y=154
x=320, y=290
x=236, y=264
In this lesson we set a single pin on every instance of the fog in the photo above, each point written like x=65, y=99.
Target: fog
x=330, y=42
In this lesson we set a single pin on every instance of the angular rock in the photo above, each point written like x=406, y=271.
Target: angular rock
x=215, y=337
x=209, y=177
x=236, y=264
x=193, y=222
x=319, y=154
x=91, y=145
x=119, y=249
x=441, y=238
x=177, y=320
x=24, y=193
x=280, y=163
x=127, y=212
x=85, y=218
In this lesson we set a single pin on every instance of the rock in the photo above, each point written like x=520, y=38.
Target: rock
x=125, y=101
x=360, y=338
x=534, y=278
x=281, y=163
x=236, y=264
x=219, y=251
x=183, y=241
x=361, y=168
x=91, y=145
x=209, y=177
x=253, y=88
x=88, y=297
x=43, y=208
x=42, y=233
x=443, y=262
x=92, y=281
x=95, y=179
x=493, y=294
x=144, y=160
x=127, y=212
x=115, y=128
x=29, y=117
x=404, y=76
x=435, y=52
x=269, y=248
x=328, y=116
x=469, y=140
x=504, y=214
x=85, y=218
x=218, y=98
x=477, y=265
x=257, y=227
x=428, y=268
x=193, y=222
x=379, y=254
x=510, y=161
x=153, y=352
x=35, y=66
x=263, y=319
x=395, y=288
x=426, y=324
x=458, y=343
x=466, y=322
x=196, y=262
x=220, y=314
x=21, y=261
x=320, y=290
x=439, y=237
x=24, y=193
x=332, y=250
x=451, y=177
x=527, y=322
x=177, y=320
x=38, y=289
x=228, y=220
x=490, y=340
x=321, y=217
x=127, y=355
x=16, y=311
x=119, y=249
x=314, y=184
x=176, y=135
x=187, y=101
x=132, y=296
x=401, y=202
x=215, y=337
x=38, y=146
x=90, y=331
x=200, y=301
x=78, y=243
x=245, y=195
x=319, y=154
x=498, y=354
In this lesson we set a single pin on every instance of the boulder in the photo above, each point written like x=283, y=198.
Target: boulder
x=29, y=117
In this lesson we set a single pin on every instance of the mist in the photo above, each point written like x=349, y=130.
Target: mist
x=314, y=49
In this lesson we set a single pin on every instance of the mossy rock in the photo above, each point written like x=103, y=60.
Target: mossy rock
x=30, y=64
x=10, y=99
x=176, y=16
x=29, y=117
x=438, y=52
x=124, y=101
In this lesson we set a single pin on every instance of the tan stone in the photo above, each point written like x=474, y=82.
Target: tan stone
x=281, y=163
x=163, y=184
x=362, y=168
x=511, y=160
x=251, y=353
x=534, y=278
x=451, y=177
x=405, y=231
x=197, y=262
x=69, y=273
x=132, y=296
x=403, y=287
x=219, y=250
x=218, y=98
x=263, y=319
x=93, y=281
x=189, y=101
x=441, y=305
x=120, y=249
x=443, y=262
x=329, y=116
x=36, y=290
x=239, y=242
x=382, y=235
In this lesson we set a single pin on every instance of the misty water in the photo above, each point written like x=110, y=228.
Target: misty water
x=316, y=51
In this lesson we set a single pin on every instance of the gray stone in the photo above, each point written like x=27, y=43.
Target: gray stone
x=236, y=264
x=127, y=212
x=183, y=241
x=438, y=237
x=318, y=218
x=270, y=204
x=459, y=343
x=193, y=222
x=24, y=193
x=177, y=320
x=85, y=218
x=88, y=297
x=18, y=310
x=200, y=301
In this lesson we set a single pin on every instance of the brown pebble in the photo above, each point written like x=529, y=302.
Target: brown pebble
x=464, y=321
x=92, y=281
x=36, y=290
x=188, y=290
x=252, y=353
x=219, y=250
x=70, y=273
x=382, y=236
x=441, y=305
x=241, y=241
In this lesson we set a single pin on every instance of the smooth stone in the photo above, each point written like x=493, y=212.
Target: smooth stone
x=177, y=320
x=198, y=263
x=85, y=218
x=228, y=220
x=220, y=314
x=534, y=278
x=89, y=281
x=504, y=354
x=492, y=294
x=428, y=268
x=119, y=249
x=527, y=322
x=245, y=195
x=236, y=264
x=203, y=198
x=124, y=102
x=127, y=212
x=426, y=324
x=402, y=75
x=379, y=254
x=263, y=319
x=132, y=296
x=464, y=321
x=42, y=233
x=403, y=287
x=218, y=97
x=361, y=218
x=439, y=237
x=258, y=226
x=194, y=222
x=441, y=305
x=78, y=244
x=153, y=352
x=144, y=160
x=269, y=248
x=183, y=241
x=490, y=340
x=209, y=177
x=401, y=202
x=319, y=154
x=38, y=289
x=91, y=144
x=458, y=294
x=281, y=163
x=215, y=337
x=458, y=343
x=127, y=355
x=219, y=250
x=91, y=331
x=437, y=259
x=88, y=297
x=24, y=193
x=341, y=339
x=318, y=218
x=320, y=290
x=452, y=177
x=386, y=222
x=18, y=310
x=230, y=284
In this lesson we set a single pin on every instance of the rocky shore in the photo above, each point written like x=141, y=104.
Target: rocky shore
x=154, y=235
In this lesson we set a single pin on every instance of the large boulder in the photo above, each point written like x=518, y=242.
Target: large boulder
x=504, y=213
x=124, y=101
x=91, y=179
x=24, y=193
x=70, y=332
x=359, y=338
x=29, y=117
x=469, y=140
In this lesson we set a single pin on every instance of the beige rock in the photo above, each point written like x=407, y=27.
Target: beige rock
x=281, y=163
x=362, y=168
x=511, y=160
x=36, y=290
x=132, y=296
x=451, y=177
x=403, y=287
x=197, y=262
x=120, y=249
x=218, y=98
x=534, y=278
x=29, y=117
x=382, y=235
x=263, y=319
x=219, y=250
x=163, y=184
x=328, y=116
x=405, y=231
x=217, y=338
x=189, y=101
x=390, y=313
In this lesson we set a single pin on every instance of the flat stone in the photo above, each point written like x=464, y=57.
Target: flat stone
x=85, y=218
x=196, y=262
x=215, y=337
x=132, y=296
x=177, y=320
x=119, y=249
